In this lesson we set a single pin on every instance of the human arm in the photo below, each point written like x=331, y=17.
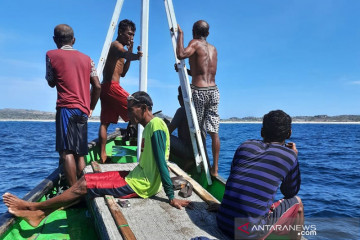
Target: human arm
x=175, y=122
x=95, y=88
x=158, y=143
x=182, y=52
x=290, y=186
x=121, y=52
x=128, y=61
x=50, y=73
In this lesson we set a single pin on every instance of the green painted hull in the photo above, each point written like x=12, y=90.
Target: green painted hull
x=77, y=222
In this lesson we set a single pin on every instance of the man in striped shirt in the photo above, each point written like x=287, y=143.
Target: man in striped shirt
x=248, y=210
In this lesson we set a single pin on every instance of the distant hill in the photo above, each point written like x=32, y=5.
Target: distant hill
x=25, y=114
x=317, y=118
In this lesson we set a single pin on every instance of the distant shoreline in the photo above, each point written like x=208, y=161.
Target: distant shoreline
x=224, y=122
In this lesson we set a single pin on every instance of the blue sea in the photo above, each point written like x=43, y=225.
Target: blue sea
x=329, y=156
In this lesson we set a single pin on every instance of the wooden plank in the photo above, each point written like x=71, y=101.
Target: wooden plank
x=107, y=214
x=119, y=218
x=155, y=218
x=205, y=195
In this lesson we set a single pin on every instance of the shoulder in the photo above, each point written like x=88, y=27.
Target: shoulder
x=251, y=144
x=195, y=43
x=156, y=124
x=117, y=45
x=51, y=52
x=180, y=111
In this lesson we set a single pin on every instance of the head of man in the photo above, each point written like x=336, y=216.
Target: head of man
x=276, y=126
x=63, y=35
x=139, y=107
x=200, y=29
x=126, y=32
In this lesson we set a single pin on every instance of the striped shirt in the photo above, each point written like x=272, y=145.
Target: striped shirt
x=257, y=170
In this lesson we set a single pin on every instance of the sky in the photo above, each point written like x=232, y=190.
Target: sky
x=300, y=56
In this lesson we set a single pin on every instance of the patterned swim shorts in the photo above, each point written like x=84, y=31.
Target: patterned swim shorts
x=206, y=101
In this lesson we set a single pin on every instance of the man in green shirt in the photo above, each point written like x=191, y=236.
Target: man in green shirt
x=145, y=180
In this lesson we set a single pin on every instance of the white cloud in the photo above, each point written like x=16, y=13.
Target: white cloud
x=355, y=83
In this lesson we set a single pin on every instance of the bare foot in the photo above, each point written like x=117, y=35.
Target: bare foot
x=33, y=218
x=12, y=201
x=214, y=172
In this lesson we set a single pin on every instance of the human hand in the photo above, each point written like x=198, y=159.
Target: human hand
x=178, y=203
x=180, y=31
x=130, y=45
x=176, y=67
x=213, y=207
x=139, y=53
x=292, y=146
x=90, y=114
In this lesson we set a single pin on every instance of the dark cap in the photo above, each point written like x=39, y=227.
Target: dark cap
x=141, y=97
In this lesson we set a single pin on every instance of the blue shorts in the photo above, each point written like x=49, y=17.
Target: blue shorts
x=71, y=131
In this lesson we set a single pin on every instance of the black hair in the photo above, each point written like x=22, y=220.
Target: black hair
x=201, y=28
x=125, y=24
x=276, y=126
x=141, y=97
x=63, y=34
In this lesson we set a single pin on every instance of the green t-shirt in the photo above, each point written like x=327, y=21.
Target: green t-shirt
x=146, y=178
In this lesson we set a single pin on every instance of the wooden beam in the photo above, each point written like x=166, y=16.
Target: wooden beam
x=205, y=195
x=119, y=218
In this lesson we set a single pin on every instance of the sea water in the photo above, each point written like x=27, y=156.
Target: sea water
x=329, y=157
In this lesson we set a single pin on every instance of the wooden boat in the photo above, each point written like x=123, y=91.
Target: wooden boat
x=150, y=218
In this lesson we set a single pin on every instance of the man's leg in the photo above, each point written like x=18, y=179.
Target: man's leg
x=102, y=140
x=215, y=145
x=286, y=212
x=80, y=165
x=299, y=221
x=34, y=212
x=69, y=167
x=69, y=196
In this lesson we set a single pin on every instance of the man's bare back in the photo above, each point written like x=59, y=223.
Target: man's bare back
x=203, y=64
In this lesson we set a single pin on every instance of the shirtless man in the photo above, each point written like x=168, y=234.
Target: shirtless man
x=113, y=96
x=203, y=63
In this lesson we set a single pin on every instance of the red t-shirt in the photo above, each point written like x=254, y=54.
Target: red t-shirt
x=71, y=70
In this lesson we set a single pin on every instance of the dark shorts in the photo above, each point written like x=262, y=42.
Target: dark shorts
x=113, y=103
x=109, y=183
x=71, y=131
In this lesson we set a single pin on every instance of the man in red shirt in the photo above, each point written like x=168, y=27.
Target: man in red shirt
x=72, y=72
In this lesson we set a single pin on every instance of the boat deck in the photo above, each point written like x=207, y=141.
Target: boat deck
x=154, y=218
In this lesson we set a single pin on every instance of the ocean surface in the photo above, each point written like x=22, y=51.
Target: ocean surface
x=329, y=156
